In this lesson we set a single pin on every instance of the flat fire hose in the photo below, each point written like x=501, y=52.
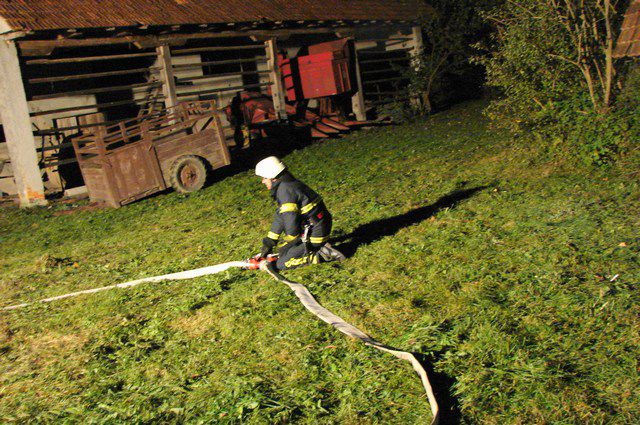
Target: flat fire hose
x=189, y=274
x=305, y=298
x=337, y=322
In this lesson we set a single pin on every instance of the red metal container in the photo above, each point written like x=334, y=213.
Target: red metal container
x=323, y=74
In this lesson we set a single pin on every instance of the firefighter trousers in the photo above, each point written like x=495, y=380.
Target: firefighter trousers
x=300, y=253
x=297, y=254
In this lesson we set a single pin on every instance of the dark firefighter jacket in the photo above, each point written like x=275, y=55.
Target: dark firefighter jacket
x=298, y=205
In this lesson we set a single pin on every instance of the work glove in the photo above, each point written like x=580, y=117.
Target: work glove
x=267, y=247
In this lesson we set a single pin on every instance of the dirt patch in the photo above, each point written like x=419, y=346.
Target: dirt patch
x=77, y=208
x=196, y=325
x=61, y=206
x=51, y=347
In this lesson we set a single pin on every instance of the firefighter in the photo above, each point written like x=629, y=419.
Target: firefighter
x=301, y=216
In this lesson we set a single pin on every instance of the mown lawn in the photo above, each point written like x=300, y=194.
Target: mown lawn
x=516, y=278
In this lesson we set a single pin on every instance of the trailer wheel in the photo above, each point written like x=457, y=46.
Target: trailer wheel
x=188, y=174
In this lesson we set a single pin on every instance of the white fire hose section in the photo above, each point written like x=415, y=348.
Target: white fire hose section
x=305, y=298
x=189, y=274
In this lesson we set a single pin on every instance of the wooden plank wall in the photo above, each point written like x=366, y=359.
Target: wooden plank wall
x=381, y=63
x=118, y=81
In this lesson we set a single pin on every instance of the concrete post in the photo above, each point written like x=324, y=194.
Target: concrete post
x=275, y=76
x=357, y=100
x=16, y=122
x=167, y=76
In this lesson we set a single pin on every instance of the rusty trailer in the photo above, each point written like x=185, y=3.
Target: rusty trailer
x=136, y=158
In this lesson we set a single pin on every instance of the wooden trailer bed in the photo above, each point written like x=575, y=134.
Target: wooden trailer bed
x=136, y=158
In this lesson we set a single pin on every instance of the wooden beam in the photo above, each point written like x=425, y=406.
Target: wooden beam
x=17, y=128
x=87, y=59
x=28, y=46
x=376, y=40
x=275, y=76
x=96, y=90
x=357, y=100
x=176, y=52
x=372, y=52
x=379, y=71
x=385, y=80
x=85, y=107
x=52, y=131
x=35, y=45
x=382, y=93
x=385, y=60
x=223, y=75
x=167, y=76
x=92, y=75
x=223, y=89
x=208, y=83
x=215, y=63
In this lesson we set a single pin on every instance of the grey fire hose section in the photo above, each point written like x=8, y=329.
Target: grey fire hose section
x=305, y=298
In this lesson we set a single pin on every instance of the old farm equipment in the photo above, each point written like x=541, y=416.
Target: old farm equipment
x=325, y=75
x=141, y=156
x=324, y=71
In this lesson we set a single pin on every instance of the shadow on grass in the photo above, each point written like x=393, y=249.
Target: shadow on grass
x=442, y=384
x=375, y=230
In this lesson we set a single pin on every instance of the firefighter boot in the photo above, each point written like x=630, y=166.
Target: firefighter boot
x=329, y=253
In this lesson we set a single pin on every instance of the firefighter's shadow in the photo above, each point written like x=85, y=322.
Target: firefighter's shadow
x=375, y=230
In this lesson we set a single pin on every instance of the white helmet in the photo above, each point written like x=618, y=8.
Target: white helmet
x=269, y=168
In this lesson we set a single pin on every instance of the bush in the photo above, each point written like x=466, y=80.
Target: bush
x=572, y=130
x=552, y=63
x=629, y=97
x=400, y=111
x=546, y=50
x=519, y=66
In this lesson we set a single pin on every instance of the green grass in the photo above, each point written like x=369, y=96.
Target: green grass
x=506, y=293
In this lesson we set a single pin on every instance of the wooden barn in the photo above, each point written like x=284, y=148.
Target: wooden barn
x=70, y=66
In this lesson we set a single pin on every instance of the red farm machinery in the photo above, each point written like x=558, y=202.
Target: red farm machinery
x=318, y=86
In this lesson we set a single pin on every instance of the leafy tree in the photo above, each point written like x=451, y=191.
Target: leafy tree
x=447, y=35
x=547, y=51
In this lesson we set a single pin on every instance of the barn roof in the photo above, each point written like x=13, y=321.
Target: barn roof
x=42, y=15
x=629, y=41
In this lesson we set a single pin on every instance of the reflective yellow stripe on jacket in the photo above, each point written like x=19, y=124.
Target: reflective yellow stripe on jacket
x=274, y=236
x=310, y=206
x=318, y=240
x=288, y=207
